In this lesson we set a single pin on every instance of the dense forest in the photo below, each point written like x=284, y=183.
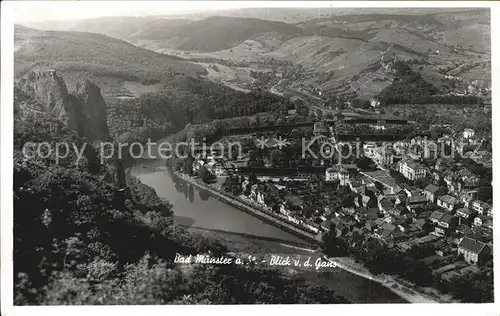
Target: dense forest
x=409, y=87
x=91, y=234
x=186, y=100
x=92, y=53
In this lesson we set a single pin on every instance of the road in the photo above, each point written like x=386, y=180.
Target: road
x=314, y=102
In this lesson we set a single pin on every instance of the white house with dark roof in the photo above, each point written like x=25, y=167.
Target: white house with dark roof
x=483, y=221
x=432, y=192
x=416, y=201
x=337, y=173
x=446, y=224
x=468, y=133
x=466, y=199
x=473, y=250
x=447, y=202
x=411, y=170
x=480, y=206
x=466, y=215
x=436, y=216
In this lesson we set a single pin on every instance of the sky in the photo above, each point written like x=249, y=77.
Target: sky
x=35, y=11
x=39, y=11
x=69, y=10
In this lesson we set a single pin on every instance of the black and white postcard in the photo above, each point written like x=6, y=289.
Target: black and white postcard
x=248, y=153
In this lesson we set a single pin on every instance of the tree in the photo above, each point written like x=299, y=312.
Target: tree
x=205, y=175
x=332, y=245
x=277, y=157
x=419, y=273
x=188, y=164
x=364, y=163
x=379, y=186
x=253, y=178
x=422, y=183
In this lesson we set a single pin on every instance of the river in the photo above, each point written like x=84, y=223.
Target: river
x=196, y=208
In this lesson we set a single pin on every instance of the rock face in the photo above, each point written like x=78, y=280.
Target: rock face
x=91, y=109
x=50, y=90
x=84, y=110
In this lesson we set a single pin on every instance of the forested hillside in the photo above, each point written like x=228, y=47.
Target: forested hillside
x=185, y=100
x=218, y=33
x=80, y=239
x=102, y=59
x=409, y=87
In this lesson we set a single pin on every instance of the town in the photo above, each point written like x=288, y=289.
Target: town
x=238, y=153
x=420, y=195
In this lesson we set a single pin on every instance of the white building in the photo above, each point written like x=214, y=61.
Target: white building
x=411, y=170
x=375, y=103
x=368, y=149
x=337, y=173
x=383, y=156
x=468, y=133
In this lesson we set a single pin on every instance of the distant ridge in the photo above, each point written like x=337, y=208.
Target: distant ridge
x=100, y=58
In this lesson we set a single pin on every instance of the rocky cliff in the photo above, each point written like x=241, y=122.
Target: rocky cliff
x=91, y=108
x=83, y=110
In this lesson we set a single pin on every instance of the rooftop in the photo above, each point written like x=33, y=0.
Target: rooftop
x=384, y=178
x=437, y=215
x=413, y=165
x=481, y=203
x=431, y=188
x=471, y=245
x=448, y=199
x=294, y=200
x=465, y=211
x=446, y=218
x=417, y=199
x=335, y=169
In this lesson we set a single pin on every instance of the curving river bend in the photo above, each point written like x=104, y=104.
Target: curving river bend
x=195, y=208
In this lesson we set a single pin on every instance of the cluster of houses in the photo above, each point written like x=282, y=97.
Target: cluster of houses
x=399, y=214
x=213, y=166
x=446, y=213
x=420, y=148
x=290, y=207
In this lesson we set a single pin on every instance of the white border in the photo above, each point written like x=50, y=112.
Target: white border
x=8, y=13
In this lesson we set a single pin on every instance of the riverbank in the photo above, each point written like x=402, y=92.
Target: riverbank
x=347, y=264
x=389, y=282
x=353, y=281
x=315, y=239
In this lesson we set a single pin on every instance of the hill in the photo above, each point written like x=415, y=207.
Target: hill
x=108, y=62
x=338, y=50
x=212, y=34
x=82, y=110
x=117, y=27
x=184, y=100
x=92, y=234
x=343, y=48
x=408, y=86
x=469, y=30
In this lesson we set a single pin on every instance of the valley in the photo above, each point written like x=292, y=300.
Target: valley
x=337, y=53
x=343, y=46
x=268, y=81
